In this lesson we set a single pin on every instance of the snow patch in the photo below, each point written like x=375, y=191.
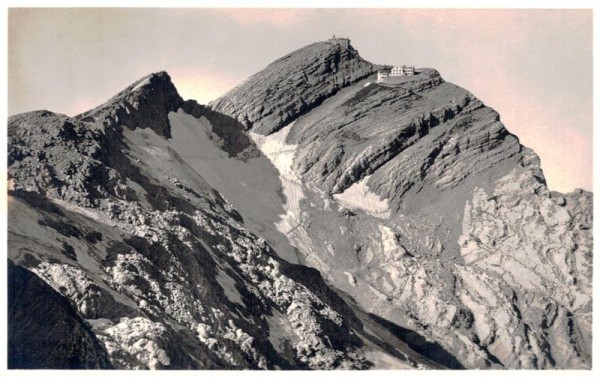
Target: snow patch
x=100, y=324
x=280, y=331
x=388, y=239
x=87, y=212
x=282, y=157
x=378, y=293
x=358, y=196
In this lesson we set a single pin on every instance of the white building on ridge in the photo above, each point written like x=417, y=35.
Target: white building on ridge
x=404, y=70
x=399, y=70
x=381, y=74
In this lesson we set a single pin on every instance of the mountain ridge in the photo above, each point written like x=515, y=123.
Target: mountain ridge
x=153, y=96
x=229, y=198
x=325, y=66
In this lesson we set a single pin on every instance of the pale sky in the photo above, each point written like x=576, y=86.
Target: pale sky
x=533, y=66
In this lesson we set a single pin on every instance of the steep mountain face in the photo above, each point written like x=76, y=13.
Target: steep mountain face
x=158, y=264
x=293, y=85
x=143, y=104
x=310, y=218
x=412, y=196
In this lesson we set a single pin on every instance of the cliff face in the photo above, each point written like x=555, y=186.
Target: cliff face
x=143, y=104
x=409, y=194
x=44, y=330
x=293, y=85
x=158, y=264
x=234, y=235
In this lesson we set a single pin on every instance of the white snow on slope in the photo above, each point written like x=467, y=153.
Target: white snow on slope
x=358, y=196
x=389, y=244
x=280, y=331
x=251, y=185
x=282, y=156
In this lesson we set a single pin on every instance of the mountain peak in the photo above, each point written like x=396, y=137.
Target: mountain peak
x=145, y=103
x=424, y=231
x=321, y=49
x=151, y=81
x=293, y=85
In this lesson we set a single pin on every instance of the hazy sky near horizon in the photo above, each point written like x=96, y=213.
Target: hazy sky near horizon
x=533, y=66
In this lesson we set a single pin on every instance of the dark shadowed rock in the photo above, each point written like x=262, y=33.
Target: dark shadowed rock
x=145, y=104
x=233, y=139
x=64, y=158
x=44, y=330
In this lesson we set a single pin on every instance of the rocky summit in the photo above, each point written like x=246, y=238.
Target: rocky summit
x=314, y=217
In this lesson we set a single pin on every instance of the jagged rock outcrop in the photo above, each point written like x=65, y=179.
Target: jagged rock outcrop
x=228, y=132
x=427, y=233
x=378, y=181
x=68, y=158
x=160, y=265
x=44, y=330
x=145, y=104
x=293, y=85
x=541, y=249
x=62, y=158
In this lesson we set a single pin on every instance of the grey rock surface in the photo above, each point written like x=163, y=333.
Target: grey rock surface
x=161, y=266
x=382, y=180
x=425, y=232
x=293, y=85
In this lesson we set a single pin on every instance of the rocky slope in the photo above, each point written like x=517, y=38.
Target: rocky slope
x=159, y=264
x=293, y=85
x=44, y=330
x=310, y=218
x=410, y=194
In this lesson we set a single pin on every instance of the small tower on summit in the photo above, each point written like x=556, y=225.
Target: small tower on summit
x=344, y=42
